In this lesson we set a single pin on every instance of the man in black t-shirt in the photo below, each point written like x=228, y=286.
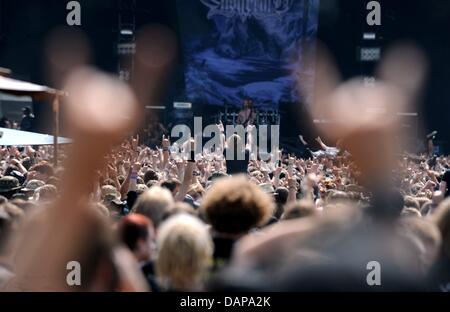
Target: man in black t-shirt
x=445, y=183
x=28, y=121
x=236, y=166
x=237, y=158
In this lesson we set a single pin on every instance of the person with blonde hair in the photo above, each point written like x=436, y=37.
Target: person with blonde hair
x=184, y=253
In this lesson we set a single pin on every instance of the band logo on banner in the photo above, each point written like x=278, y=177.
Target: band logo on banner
x=245, y=9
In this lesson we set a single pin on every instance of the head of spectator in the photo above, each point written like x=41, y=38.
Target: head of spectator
x=141, y=188
x=26, y=112
x=184, y=253
x=46, y=193
x=216, y=176
x=441, y=218
x=154, y=204
x=181, y=208
x=172, y=185
x=427, y=237
x=423, y=201
x=42, y=171
x=9, y=186
x=234, y=199
x=54, y=181
x=27, y=162
x=412, y=202
x=152, y=183
x=24, y=205
x=136, y=231
x=150, y=175
x=109, y=190
x=334, y=196
x=105, y=266
x=101, y=209
x=32, y=186
x=411, y=212
x=301, y=209
x=114, y=205
x=196, y=191
x=13, y=171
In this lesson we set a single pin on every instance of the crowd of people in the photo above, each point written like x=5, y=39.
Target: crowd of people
x=204, y=222
x=26, y=124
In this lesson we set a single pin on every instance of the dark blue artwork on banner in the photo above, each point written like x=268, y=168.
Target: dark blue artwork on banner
x=237, y=49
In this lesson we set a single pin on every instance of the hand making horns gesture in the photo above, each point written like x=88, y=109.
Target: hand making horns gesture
x=101, y=111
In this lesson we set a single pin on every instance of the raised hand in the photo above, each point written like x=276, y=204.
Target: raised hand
x=278, y=171
x=127, y=165
x=137, y=167
x=14, y=162
x=3, y=152
x=165, y=142
x=368, y=136
x=221, y=127
x=302, y=139
x=13, y=151
x=112, y=172
x=135, y=143
x=101, y=111
x=29, y=151
x=201, y=165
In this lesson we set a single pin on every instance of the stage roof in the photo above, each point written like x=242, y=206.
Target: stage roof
x=22, y=88
x=10, y=137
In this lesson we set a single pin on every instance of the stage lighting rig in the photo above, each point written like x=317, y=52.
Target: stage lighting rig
x=126, y=41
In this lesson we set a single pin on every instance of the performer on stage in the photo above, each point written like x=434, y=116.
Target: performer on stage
x=247, y=116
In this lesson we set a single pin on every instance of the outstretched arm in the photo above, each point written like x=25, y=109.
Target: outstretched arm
x=302, y=139
x=187, y=179
x=250, y=139
x=322, y=145
x=165, y=149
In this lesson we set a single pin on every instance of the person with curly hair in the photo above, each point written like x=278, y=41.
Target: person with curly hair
x=233, y=207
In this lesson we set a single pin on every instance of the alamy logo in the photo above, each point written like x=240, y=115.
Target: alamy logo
x=374, y=276
x=374, y=16
x=256, y=139
x=74, y=16
x=245, y=9
x=73, y=278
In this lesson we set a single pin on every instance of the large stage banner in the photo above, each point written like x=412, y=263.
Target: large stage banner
x=237, y=49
